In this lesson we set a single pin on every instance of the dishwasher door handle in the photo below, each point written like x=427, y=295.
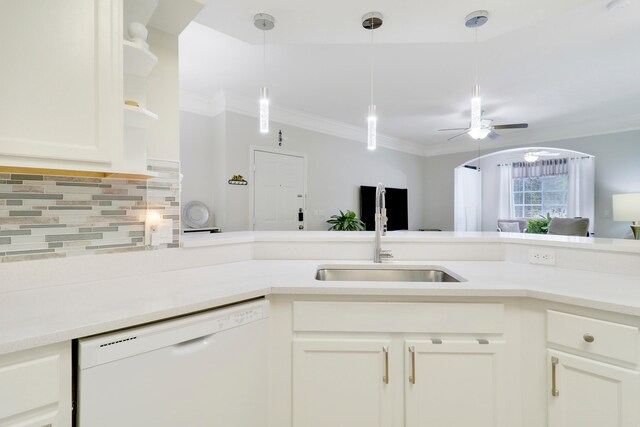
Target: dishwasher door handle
x=193, y=345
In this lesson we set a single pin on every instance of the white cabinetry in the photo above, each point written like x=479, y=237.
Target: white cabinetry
x=61, y=83
x=599, y=385
x=455, y=383
x=35, y=387
x=389, y=364
x=66, y=69
x=341, y=383
x=138, y=63
x=588, y=393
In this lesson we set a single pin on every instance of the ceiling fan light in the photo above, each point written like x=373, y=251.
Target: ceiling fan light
x=479, y=132
x=530, y=157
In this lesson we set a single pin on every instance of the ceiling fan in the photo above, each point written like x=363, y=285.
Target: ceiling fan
x=485, y=129
x=480, y=128
x=532, y=156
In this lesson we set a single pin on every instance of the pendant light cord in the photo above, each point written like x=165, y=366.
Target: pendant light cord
x=371, y=53
x=264, y=54
x=475, y=46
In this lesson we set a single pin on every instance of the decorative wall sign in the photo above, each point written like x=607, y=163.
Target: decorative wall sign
x=237, y=180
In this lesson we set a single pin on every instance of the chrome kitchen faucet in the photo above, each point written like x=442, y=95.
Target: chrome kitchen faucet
x=381, y=224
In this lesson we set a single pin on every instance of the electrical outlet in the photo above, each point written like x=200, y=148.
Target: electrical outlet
x=158, y=231
x=542, y=256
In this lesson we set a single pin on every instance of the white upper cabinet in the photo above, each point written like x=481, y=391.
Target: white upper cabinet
x=67, y=68
x=61, y=83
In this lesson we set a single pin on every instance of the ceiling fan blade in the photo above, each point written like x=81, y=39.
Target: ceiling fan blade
x=493, y=135
x=442, y=130
x=454, y=137
x=512, y=126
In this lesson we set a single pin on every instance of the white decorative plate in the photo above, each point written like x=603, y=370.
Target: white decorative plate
x=195, y=214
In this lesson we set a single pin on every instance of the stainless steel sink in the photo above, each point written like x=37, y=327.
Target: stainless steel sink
x=386, y=273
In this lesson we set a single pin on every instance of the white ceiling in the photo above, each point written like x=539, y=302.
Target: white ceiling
x=568, y=68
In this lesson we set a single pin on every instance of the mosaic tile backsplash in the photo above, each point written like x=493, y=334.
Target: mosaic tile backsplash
x=49, y=216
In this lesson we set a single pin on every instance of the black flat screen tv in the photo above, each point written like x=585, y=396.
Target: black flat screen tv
x=397, y=208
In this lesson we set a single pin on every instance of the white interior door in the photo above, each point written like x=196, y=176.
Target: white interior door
x=278, y=198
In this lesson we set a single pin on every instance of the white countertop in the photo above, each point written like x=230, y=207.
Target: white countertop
x=584, y=243
x=42, y=316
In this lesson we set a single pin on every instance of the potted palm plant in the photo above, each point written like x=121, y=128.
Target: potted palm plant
x=345, y=222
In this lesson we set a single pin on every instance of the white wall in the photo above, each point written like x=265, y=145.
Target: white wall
x=617, y=156
x=202, y=153
x=336, y=169
x=162, y=97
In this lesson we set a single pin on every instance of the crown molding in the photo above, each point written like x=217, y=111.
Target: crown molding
x=199, y=104
x=225, y=101
x=315, y=123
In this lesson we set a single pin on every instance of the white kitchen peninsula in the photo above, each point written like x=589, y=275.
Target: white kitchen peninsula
x=511, y=327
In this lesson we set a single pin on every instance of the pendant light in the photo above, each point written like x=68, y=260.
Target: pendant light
x=478, y=128
x=264, y=22
x=371, y=21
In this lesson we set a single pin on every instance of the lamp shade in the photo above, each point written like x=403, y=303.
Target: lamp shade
x=626, y=207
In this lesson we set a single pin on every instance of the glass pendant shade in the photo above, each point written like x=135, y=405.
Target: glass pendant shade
x=372, y=122
x=478, y=129
x=264, y=22
x=264, y=110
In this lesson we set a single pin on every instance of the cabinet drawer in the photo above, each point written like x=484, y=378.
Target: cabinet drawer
x=311, y=316
x=612, y=340
x=28, y=384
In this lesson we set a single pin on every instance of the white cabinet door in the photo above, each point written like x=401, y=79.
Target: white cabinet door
x=341, y=383
x=61, y=82
x=589, y=393
x=35, y=387
x=453, y=384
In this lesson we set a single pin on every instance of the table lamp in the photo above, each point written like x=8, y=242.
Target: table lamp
x=626, y=207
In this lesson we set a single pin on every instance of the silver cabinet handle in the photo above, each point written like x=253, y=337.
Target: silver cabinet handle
x=412, y=377
x=385, y=378
x=588, y=338
x=554, y=389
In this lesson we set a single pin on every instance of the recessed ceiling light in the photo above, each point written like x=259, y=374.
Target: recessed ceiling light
x=615, y=5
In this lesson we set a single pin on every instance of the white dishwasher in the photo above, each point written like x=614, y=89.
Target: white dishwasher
x=202, y=370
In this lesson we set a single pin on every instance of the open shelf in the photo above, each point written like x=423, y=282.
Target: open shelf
x=138, y=61
x=138, y=117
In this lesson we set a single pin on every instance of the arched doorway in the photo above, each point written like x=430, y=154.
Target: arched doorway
x=506, y=185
